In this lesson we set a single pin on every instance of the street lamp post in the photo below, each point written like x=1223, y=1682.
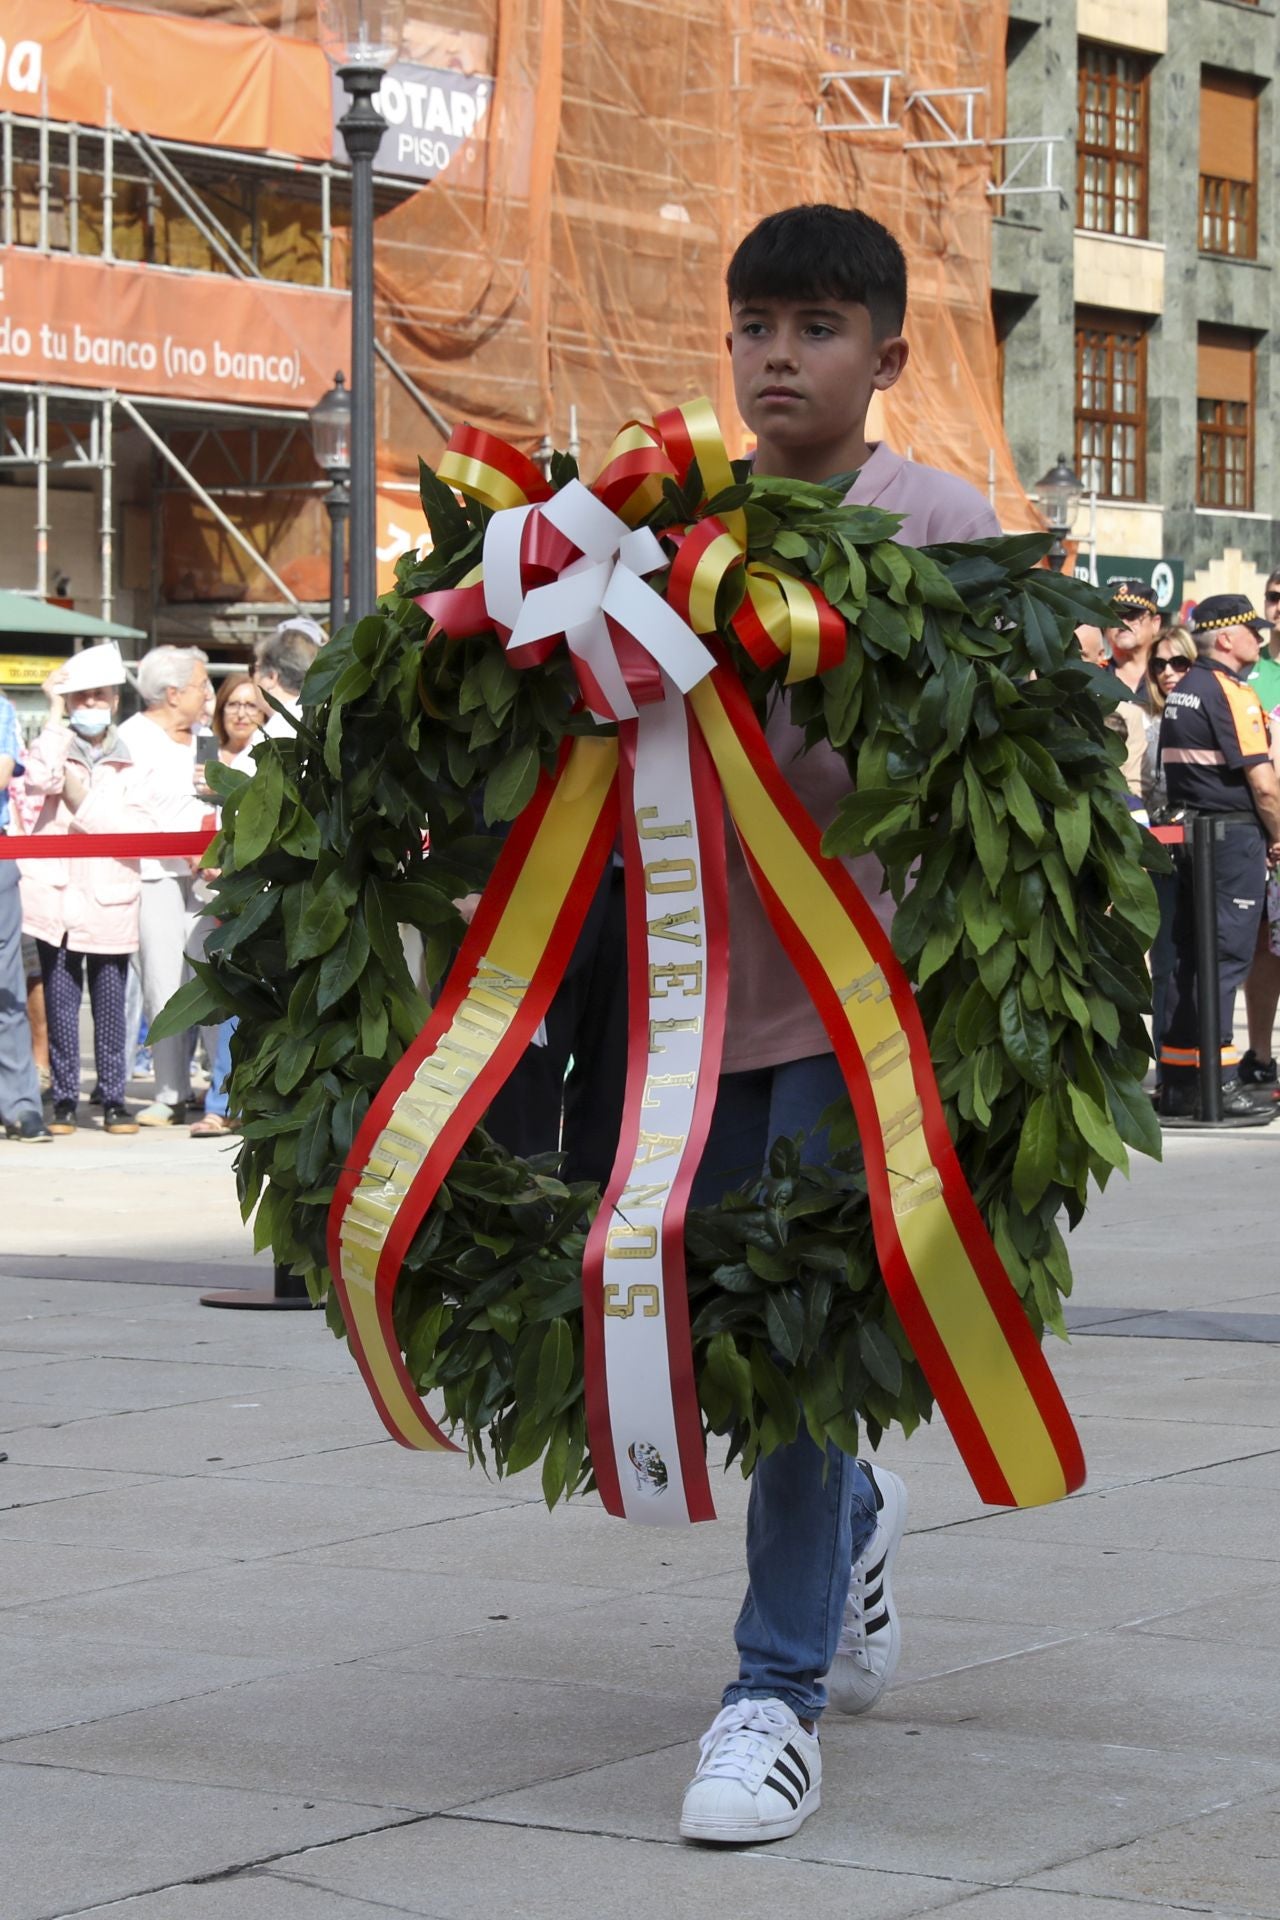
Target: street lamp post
x=1058, y=493
x=331, y=442
x=361, y=39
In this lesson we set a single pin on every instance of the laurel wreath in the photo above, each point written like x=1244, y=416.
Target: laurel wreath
x=980, y=764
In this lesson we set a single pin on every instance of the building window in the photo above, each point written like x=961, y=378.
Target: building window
x=1111, y=142
x=1228, y=165
x=1224, y=420
x=1111, y=393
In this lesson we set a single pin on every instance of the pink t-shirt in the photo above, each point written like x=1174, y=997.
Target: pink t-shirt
x=770, y=1016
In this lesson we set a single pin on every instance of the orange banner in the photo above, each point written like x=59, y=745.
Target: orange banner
x=219, y=86
x=86, y=324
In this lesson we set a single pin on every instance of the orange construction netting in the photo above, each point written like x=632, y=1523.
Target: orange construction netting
x=578, y=263
x=566, y=272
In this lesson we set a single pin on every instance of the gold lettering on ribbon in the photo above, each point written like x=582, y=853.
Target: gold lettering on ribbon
x=631, y=1243
x=910, y=1190
x=868, y=986
x=645, y=1296
x=655, y=1080
x=887, y=1055
x=907, y=1121
x=643, y=1196
x=659, y=1146
x=648, y=829
x=685, y=974
x=423, y=1111
x=671, y=1026
x=665, y=927
x=670, y=876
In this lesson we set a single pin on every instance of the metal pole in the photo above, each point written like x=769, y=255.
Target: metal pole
x=338, y=506
x=326, y=226
x=42, y=494
x=1205, y=830
x=107, y=545
x=362, y=130
x=140, y=420
x=73, y=190
x=8, y=179
x=42, y=170
x=108, y=186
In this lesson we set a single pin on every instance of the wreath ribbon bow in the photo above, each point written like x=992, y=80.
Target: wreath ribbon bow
x=573, y=567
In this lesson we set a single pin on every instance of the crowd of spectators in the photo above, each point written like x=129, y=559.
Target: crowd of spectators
x=128, y=927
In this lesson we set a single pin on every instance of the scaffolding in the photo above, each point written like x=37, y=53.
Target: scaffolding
x=124, y=197
x=565, y=273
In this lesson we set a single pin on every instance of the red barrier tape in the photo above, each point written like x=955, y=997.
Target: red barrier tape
x=104, y=846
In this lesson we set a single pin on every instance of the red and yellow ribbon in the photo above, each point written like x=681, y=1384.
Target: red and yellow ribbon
x=955, y=1300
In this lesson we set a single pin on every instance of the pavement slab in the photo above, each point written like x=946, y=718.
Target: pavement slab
x=262, y=1664
x=55, y=1680
x=383, y=1736
x=1227, y=1860
x=907, y=1793
x=76, y=1841
x=460, y=1869
x=290, y=1614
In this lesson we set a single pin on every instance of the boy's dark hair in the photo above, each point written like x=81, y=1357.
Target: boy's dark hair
x=820, y=252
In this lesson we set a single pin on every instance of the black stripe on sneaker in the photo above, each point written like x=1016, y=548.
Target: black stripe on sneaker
x=793, y=1756
x=784, y=1783
x=877, y=1625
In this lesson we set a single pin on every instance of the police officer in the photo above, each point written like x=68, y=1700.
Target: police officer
x=1131, y=640
x=1215, y=753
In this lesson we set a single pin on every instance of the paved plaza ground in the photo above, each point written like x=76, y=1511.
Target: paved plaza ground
x=259, y=1664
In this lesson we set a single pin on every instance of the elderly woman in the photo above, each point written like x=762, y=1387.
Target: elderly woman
x=174, y=684
x=80, y=777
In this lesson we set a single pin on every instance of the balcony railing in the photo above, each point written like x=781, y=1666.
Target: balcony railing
x=1228, y=217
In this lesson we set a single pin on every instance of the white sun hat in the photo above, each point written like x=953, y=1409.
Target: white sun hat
x=94, y=667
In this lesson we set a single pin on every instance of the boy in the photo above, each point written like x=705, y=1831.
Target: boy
x=817, y=297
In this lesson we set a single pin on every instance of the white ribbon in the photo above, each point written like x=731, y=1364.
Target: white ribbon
x=668, y=871
x=608, y=580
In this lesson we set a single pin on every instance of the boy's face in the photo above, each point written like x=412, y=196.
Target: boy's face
x=804, y=371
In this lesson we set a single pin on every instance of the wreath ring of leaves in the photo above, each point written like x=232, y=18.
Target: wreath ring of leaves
x=985, y=778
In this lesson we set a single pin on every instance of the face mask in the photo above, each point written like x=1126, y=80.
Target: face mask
x=92, y=722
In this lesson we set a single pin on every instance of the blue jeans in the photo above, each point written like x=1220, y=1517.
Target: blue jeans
x=804, y=1530
x=19, y=1081
x=216, y=1100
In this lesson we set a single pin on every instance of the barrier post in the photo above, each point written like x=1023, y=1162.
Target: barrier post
x=289, y=1292
x=1205, y=832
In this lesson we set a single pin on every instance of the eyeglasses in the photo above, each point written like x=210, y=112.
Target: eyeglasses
x=242, y=706
x=1173, y=662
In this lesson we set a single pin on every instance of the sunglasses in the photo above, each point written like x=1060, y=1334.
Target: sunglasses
x=1173, y=661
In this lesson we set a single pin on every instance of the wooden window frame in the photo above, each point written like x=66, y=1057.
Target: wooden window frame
x=1098, y=61
x=1222, y=434
x=1218, y=190
x=1113, y=327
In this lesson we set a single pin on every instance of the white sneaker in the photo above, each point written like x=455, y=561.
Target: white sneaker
x=759, y=1777
x=871, y=1637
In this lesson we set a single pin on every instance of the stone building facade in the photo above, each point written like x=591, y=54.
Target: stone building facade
x=1139, y=307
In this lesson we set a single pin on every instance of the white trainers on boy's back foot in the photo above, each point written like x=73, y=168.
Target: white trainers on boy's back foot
x=759, y=1777
x=871, y=1638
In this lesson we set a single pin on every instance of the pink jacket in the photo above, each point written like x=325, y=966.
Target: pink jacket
x=93, y=903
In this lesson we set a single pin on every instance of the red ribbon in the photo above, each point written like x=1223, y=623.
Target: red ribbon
x=105, y=846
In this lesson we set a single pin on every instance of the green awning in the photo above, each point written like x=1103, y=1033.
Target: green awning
x=36, y=619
